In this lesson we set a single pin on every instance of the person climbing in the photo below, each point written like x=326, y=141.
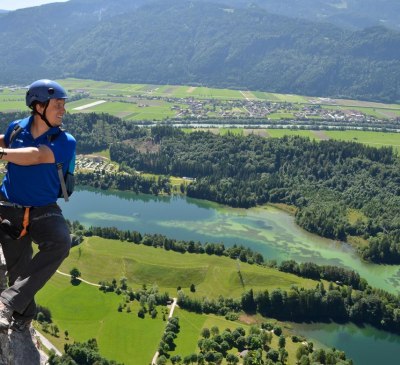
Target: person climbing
x=38, y=152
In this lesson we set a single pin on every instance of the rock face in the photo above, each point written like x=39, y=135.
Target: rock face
x=3, y=279
x=18, y=348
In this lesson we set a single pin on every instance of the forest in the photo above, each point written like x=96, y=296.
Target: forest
x=327, y=181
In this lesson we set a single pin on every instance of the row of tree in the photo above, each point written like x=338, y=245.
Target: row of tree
x=324, y=272
x=324, y=180
x=340, y=304
x=123, y=181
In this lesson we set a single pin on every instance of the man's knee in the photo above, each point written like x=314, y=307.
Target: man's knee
x=64, y=246
x=58, y=246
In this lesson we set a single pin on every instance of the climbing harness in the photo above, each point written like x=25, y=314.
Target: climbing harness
x=12, y=230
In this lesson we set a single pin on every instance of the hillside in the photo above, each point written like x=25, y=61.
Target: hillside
x=131, y=298
x=199, y=43
x=86, y=312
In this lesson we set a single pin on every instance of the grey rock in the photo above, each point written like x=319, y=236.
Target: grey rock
x=18, y=348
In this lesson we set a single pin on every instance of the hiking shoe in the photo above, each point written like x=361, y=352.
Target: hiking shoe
x=21, y=325
x=5, y=316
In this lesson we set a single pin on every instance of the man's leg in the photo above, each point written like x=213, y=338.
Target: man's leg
x=49, y=231
x=17, y=254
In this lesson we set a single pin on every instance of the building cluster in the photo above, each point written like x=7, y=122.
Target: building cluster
x=94, y=163
x=195, y=108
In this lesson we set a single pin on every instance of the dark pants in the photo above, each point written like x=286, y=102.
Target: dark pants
x=27, y=274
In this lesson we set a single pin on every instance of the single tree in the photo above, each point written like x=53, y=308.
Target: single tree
x=75, y=273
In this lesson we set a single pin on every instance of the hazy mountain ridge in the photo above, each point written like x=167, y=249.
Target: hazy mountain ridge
x=353, y=14
x=196, y=42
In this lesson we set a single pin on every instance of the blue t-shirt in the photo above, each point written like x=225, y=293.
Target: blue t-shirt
x=36, y=185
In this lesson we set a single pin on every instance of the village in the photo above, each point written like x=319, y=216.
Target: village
x=324, y=109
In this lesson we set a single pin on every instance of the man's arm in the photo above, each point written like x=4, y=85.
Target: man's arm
x=26, y=156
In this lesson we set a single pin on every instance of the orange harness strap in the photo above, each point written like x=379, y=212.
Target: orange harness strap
x=25, y=222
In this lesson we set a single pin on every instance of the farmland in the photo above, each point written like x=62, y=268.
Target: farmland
x=144, y=102
x=234, y=111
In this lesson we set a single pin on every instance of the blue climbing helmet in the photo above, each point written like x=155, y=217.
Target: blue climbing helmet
x=44, y=90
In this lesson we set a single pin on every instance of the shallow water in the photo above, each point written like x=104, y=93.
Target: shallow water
x=364, y=345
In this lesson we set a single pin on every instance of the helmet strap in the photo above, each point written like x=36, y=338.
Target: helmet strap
x=43, y=115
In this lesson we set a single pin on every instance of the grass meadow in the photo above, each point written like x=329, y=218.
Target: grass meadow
x=85, y=312
x=279, y=133
x=101, y=259
x=375, y=139
x=12, y=100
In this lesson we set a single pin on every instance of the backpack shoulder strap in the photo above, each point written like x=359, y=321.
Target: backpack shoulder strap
x=17, y=129
x=53, y=137
x=23, y=123
x=62, y=181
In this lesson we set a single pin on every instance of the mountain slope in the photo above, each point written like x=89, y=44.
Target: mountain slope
x=202, y=43
x=206, y=44
x=354, y=14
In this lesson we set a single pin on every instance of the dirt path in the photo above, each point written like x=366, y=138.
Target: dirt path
x=321, y=135
x=90, y=105
x=83, y=280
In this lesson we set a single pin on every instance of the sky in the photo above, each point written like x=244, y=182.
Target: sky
x=19, y=4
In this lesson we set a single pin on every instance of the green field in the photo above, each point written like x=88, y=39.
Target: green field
x=86, y=312
x=122, y=94
x=375, y=139
x=281, y=115
x=100, y=259
x=12, y=100
x=279, y=133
